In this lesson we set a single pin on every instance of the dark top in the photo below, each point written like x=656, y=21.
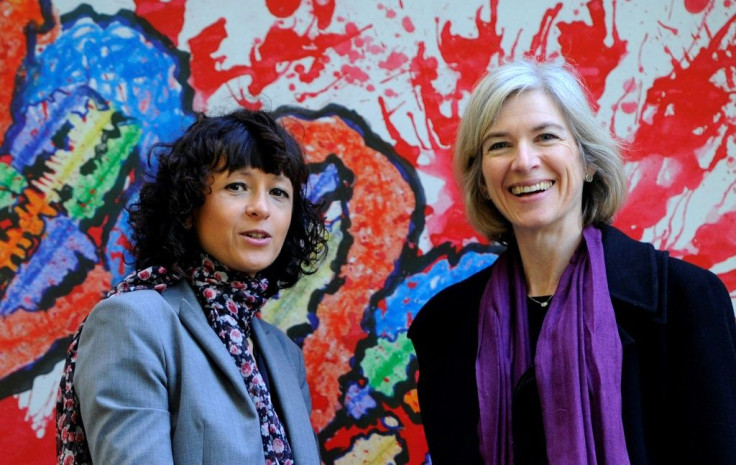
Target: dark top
x=536, y=313
x=678, y=334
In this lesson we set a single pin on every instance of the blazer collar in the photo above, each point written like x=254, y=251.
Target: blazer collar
x=632, y=270
x=181, y=297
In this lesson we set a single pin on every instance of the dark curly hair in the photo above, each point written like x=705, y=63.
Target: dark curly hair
x=162, y=215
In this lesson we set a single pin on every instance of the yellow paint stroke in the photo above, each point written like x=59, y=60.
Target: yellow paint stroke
x=290, y=309
x=378, y=449
x=66, y=165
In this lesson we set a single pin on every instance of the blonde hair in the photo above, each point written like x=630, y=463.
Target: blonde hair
x=600, y=151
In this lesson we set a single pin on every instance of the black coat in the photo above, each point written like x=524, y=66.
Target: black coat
x=678, y=333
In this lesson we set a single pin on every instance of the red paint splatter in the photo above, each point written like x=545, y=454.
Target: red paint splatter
x=15, y=17
x=281, y=46
x=540, y=40
x=353, y=74
x=354, y=49
x=629, y=107
x=696, y=6
x=713, y=246
x=165, y=17
x=19, y=442
x=323, y=11
x=302, y=96
x=423, y=74
x=282, y=8
x=584, y=46
x=673, y=30
x=408, y=24
x=470, y=57
x=394, y=61
x=667, y=134
x=207, y=73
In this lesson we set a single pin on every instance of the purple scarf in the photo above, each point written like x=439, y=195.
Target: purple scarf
x=577, y=364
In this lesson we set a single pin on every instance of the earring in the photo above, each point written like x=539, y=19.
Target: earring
x=588, y=178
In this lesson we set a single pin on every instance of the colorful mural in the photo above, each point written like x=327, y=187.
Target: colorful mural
x=374, y=91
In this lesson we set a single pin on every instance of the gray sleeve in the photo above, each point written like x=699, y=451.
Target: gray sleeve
x=120, y=379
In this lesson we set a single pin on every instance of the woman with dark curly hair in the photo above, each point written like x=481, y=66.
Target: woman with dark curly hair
x=172, y=367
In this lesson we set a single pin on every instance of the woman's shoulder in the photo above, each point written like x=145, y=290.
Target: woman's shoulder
x=144, y=306
x=683, y=271
x=700, y=284
x=633, y=265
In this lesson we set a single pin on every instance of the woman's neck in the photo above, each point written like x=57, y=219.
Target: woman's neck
x=544, y=257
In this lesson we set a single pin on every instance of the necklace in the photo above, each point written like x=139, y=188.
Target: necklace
x=542, y=303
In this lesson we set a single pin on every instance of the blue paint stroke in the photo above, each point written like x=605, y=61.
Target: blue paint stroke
x=113, y=59
x=358, y=401
x=321, y=184
x=119, y=260
x=416, y=290
x=44, y=120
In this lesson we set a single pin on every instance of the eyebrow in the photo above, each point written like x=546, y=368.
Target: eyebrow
x=537, y=128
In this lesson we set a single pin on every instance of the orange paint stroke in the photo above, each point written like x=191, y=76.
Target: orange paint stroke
x=26, y=336
x=380, y=215
x=22, y=236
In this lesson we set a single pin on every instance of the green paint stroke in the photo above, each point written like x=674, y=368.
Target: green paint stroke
x=290, y=309
x=12, y=184
x=101, y=173
x=385, y=363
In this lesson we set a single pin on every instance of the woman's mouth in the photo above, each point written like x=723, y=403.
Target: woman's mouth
x=533, y=189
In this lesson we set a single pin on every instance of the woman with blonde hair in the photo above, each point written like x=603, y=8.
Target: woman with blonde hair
x=578, y=345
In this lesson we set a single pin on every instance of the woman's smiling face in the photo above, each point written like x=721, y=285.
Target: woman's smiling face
x=532, y=168
x=245, y=218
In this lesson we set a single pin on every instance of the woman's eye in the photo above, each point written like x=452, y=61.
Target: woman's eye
x=236, y=186
x=548, y=136
x=278, y=192
x=497, y=146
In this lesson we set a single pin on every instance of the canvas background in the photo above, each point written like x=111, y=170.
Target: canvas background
x=374, y=90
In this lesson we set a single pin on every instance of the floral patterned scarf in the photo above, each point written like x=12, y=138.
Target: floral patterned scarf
x=230, y=301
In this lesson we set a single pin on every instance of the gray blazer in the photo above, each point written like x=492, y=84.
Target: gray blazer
x=157, y=386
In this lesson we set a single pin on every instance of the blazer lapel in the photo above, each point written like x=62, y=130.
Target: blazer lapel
x=182, y=298
x=285, y=385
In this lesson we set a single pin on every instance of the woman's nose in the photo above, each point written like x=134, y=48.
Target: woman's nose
x=257, y=205
x=525, y=158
